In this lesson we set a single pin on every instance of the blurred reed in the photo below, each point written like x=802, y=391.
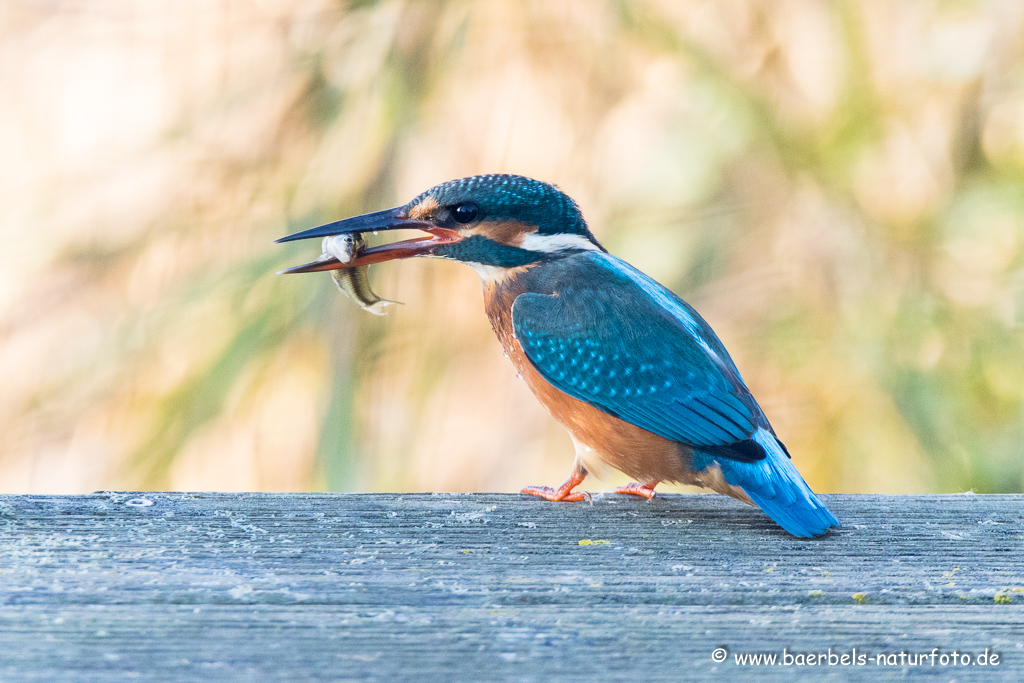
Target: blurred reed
x=837, y=187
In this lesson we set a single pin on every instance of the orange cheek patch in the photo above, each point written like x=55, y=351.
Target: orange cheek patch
x=505, y=232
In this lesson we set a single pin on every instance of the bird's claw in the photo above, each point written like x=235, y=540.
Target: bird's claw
x=637, y=489
x=556, y=495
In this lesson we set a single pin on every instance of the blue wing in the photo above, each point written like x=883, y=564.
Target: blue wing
x=616, y=339
x=612, y=337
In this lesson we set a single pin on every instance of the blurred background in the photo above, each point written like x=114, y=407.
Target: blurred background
x=838, y=187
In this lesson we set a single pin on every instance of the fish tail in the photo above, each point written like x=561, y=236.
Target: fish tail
x=380, y=307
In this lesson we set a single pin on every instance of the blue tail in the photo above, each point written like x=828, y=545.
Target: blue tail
x=776, y=486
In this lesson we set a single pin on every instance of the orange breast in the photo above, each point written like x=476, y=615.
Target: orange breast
x=638, y=453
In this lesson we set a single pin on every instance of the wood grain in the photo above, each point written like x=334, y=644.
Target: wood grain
x=160, y=586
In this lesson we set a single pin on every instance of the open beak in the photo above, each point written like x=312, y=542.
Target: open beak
x=391, y=219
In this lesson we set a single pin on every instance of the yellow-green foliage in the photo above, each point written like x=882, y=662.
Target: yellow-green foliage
x=837, y=187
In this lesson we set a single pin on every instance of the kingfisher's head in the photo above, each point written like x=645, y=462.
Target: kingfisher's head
x=492, y=222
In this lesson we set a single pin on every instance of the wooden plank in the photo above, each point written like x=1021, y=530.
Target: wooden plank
x=160, y=586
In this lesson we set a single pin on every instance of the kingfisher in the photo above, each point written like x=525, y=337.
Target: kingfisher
x=637, y=377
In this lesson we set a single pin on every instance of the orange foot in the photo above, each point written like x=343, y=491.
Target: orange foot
x=563, y=493
x=635, y=489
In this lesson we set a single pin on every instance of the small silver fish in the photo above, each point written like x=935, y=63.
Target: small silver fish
x=353, y=282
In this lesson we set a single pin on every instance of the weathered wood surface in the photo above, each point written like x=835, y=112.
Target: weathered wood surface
x=163, y=586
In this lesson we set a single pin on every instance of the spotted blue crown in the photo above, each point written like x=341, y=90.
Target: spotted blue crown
x=503, y=197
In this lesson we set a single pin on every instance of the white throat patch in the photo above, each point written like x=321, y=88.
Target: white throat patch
x=489, y=275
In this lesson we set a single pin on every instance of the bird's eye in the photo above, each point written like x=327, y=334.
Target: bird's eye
x=465, y=213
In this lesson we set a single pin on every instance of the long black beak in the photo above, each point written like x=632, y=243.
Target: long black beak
x=389, y=219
